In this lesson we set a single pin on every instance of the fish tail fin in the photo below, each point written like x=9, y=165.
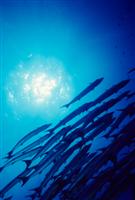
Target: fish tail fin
x=24, y=179
x=65, y=106
x=27, y=162
x=1, y=169
x=9, y=155
x=51, y=130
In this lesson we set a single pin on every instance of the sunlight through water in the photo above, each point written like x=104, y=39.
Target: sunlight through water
x=39, y=85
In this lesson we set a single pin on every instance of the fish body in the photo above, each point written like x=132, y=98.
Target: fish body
x=78, y=137
x=94, y=123
x=131, y=70
x=85, y=91
x=114, y=89
x=100, y=121
x=8, y=198
x=108, y=175
x=12, y=183
x=125, y=112
x=51, y=141
x=59, y=162
x=100, y=109
x=88, y=105
x=65, y=173
x=100, y=159
x=51, y=156
x=32, y=145
x=24, y=155
x=129, y=110
x=27, y=137
x=120, y=181
x=72, y=115
x=98, y=130
x=130, y=95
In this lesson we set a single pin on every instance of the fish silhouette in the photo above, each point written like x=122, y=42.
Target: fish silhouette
x=131, y=70
x=85, y=91
x=75, y=170
x=27, y=137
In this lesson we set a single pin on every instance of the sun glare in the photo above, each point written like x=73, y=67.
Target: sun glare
x=40, y=86
x=41, y=83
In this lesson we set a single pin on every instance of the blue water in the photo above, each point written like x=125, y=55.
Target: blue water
x=91, y=38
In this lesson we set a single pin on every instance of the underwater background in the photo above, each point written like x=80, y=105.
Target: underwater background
x=74, y=43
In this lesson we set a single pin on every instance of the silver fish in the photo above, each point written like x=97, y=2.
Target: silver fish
x=85, y=91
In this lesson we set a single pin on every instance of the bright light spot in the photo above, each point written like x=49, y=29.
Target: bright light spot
x=30, y=55
x=26, y=76
x=26, y=88
x=40, y=86
x=11, y=96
